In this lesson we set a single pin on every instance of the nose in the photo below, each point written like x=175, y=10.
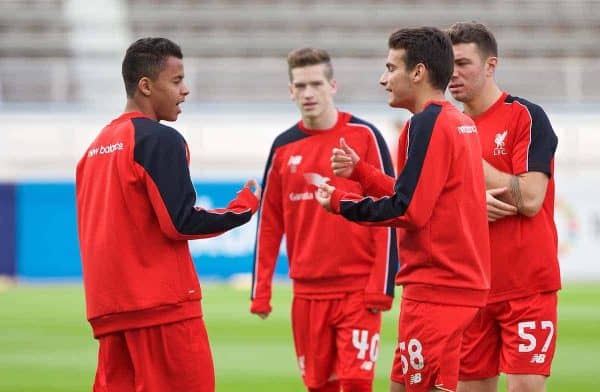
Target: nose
x=383, y=79
x=308, y=92
x=184, y=89
x=455, y=72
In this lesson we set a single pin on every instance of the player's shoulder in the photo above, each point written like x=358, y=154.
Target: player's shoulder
x=521, y=104
x=358, y=125
x=359, y=122
x=290, y=135
x=146, y=127
x=428, y=118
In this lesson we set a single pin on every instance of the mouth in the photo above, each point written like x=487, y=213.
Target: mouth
x=309, y=105
x=455, y=86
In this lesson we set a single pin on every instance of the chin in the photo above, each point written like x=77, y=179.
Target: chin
x=460, y=97
x=171, y=118
x=310, y=114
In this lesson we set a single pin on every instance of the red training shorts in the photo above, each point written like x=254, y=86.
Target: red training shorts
x=168, y=357
x=429, y=340
x=515, y=337
x=335, y=338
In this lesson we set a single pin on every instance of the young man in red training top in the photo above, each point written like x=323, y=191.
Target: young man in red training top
x=438, y=204
x=516, y=332
x=342, y=272
x=135, y=213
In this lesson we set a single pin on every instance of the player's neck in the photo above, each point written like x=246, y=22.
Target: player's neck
x=421, y=100
x=326, y=120
x=136, y=105
x=483, y=101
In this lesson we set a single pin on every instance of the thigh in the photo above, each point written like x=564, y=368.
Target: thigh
x=429, y=339
x=172, y=357
x=314, y=340
x=480, y=347
x=529, y=334
x=115, y=369
x=357, y=339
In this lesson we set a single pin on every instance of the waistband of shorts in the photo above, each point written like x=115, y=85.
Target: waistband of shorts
x=445, y=295
x=164, y=314
x=328, y=286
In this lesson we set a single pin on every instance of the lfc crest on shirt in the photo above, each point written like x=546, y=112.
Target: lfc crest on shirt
x=499, y=140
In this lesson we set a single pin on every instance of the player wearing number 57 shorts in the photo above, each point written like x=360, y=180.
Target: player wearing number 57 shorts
x=516, y=332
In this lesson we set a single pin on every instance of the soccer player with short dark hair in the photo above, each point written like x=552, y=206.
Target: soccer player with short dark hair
x=438, y=205
x=136, y=212
x=516, y=332
x=342, y=272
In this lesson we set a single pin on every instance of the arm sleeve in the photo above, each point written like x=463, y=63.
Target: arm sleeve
x=379, y=292
x=535, y=142
x=373, y=181
x=418, y=186
x=163, y=167
x=268, y=238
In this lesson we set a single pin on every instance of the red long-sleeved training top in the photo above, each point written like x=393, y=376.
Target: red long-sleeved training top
x=135, y=213
x=327, y=255
x=438, y=204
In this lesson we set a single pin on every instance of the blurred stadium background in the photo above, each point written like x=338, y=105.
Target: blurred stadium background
x=60, y=83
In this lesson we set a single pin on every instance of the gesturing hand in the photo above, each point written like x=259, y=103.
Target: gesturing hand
x=254, y=187
x=323, y=196
x=343, y=160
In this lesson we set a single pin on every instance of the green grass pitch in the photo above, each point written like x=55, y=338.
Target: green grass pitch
x=46, y=344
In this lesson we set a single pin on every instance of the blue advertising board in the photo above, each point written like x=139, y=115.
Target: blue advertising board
x=47, y=245
x=7, y=230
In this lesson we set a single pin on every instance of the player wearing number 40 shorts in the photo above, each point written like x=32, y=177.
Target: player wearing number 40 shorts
x=342, y=273
x=438, y=205
x=516, y=332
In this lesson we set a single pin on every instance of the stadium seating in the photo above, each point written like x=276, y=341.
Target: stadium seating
x=237, y=48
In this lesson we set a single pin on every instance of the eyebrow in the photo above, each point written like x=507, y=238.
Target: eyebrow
x=308, y=82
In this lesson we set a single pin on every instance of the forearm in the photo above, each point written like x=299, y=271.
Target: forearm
x=525, y=191
x=495, y=178
x=373, y=181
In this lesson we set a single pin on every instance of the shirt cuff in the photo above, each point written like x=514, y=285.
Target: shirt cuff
x=360, y=171
x=334, y=202
x=247, y=198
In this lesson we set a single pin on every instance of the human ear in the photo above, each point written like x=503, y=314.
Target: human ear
x=145, y=86
x=490, y=66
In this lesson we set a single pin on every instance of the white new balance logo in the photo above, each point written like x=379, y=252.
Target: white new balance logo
x=293, y=162
x=415, y=378
x=538, y=358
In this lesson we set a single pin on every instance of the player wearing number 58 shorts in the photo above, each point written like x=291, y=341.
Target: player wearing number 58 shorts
x=438, y=205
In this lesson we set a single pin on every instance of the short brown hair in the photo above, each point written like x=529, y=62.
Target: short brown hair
x=305, y=57
x=428, y=46
x=474, y=32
